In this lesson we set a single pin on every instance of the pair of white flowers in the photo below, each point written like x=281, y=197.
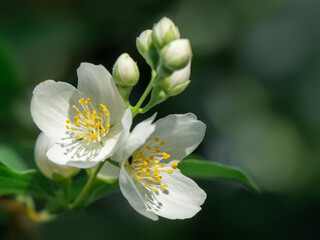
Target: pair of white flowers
x=86, y=125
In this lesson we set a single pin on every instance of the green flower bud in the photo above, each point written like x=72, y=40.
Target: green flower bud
x=177, y=82
x=125, y=71
x=176, y=54
x=47, y=167
x=144, y=42
x=164, y=32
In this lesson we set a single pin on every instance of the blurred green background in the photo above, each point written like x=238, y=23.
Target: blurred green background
x=255, y=83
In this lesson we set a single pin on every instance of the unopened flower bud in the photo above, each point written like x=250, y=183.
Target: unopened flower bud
x=176, y=54
x=164, y=32
x=47, y=167
x=177, y=82
x=125, y=71
x=144, y=41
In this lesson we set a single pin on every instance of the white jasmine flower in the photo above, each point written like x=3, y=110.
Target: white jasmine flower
x=149, y=177
x=176, y=54
x=87, y=124
x=144, y=41
x=164, y=32
x=177, y=81
x=47, y=167
x=125, y=71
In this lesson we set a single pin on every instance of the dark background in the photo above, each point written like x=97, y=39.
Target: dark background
x=255, y=83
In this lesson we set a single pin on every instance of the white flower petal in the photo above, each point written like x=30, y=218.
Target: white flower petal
x=139, y=136
x=181, y=199
x=182, y=133
x=95, y=82
x=126, y=122
x=109, y=171
x=82, y=155
x=47, y=167
x=77, y=154
x=51, y=106
x=131, y=193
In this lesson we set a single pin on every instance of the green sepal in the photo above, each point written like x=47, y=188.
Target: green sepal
x=169, y=37
x=125, y=94
x=177, y=90
x=152, y=58
x=176, y=64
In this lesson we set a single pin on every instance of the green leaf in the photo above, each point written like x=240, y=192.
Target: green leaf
x=28, y=182
x=12, y=159
x=210, y=170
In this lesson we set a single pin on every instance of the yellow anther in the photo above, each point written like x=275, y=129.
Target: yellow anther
x=156, y=162
x=152, y=181
x=150, y=157
x=108, y=126
x=170, y=171
x=175, y=165
x=80, y=101
x=103, y=130
x=162, y=143
x=68, y=121
x=76, y=117
x=67, y=126
x=79, y=124
x=156, y=139
x=96, y=107
x=107, y=115
x=157, y=148
x=78, y=112
x=143, y=169
x=84, y=112
x=154, y=190
x=138, y=176
x=88, y=99
x=87, y=141
x=162, y=188
x=147, y=185
x=82, y=136
x=72, y=128
x=86, y=102
x=148, y=148
x=74, y=107
x=156, y=174
x=150, y=178
x=165, y=155
x=164, y=185
x=145, y=163
x=148, y=174
x=78, y=135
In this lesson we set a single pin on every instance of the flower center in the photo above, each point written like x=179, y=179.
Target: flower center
x=90, y=123
x=146, y=164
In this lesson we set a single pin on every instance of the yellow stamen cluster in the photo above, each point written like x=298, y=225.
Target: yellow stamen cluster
x=146, y=164
x=90, y=123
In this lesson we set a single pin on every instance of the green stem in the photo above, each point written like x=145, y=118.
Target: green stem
x=136, y=108
x=87, y=188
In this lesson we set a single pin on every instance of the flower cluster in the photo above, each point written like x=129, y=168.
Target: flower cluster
x=90, y=127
